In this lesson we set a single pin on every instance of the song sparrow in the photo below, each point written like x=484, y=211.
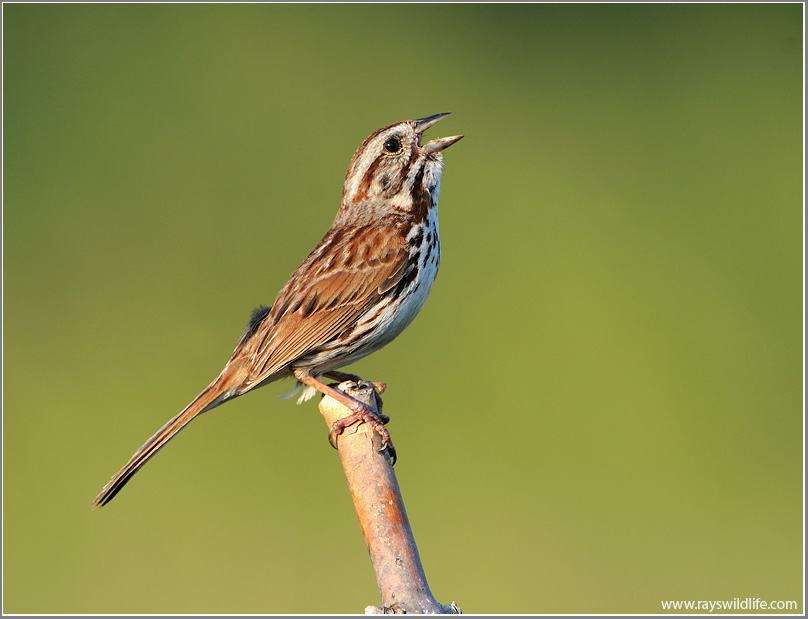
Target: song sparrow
x=359, y=288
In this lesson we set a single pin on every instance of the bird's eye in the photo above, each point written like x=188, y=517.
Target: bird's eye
x=393, y=145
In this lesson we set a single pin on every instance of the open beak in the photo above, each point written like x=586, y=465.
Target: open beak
x=438, y=144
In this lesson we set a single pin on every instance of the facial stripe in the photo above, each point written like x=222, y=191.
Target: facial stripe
x=405, y=182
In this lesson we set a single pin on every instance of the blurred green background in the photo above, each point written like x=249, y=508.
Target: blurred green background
x=600, y=406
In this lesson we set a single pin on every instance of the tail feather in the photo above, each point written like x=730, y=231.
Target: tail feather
x=210, y=398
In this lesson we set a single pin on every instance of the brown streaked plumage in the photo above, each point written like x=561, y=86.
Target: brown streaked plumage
x=360, y=287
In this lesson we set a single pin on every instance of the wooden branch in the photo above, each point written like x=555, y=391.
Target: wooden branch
x=381, y=513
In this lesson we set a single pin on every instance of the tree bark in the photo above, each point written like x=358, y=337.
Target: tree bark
x=380, y=509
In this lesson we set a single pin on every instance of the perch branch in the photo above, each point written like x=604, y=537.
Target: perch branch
x=380, y=510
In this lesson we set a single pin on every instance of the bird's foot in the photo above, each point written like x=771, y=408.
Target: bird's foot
x=362, y=414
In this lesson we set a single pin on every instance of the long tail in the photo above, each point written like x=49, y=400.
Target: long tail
x=216, y=393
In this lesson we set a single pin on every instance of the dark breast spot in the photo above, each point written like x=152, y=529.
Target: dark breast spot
x=417, y=239
x=410, y=275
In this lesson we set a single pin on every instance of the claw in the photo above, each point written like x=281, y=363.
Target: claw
x=392, y=452
x=332, y=436
x=338, y=427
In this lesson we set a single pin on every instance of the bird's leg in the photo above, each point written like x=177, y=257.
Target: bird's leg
x=379, y=388
x=359, y=410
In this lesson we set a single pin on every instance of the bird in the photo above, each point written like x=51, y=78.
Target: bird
x=359, y=288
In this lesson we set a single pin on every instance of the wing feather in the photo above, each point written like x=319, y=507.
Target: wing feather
x=326, y=296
